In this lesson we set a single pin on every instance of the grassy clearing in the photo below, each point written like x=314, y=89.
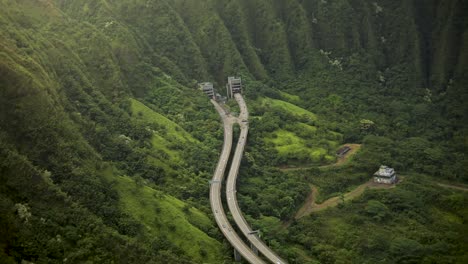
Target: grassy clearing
x=173, y=132
x=167, y=137
x=340, y=161
x=291, y=108
x=283, y=138
x=162, y=144
x=317, y=153
x=297, y=135
x=306, y=128
x=294, y=99
x=167, y=217
x=161, y=163
x=292, y=147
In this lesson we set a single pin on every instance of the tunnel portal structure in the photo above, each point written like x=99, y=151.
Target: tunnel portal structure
x=233, y=86
x=208, y=89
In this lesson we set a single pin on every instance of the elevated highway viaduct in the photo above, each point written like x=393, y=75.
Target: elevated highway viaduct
x=240, y=248
x=231, y=187
x=215, y=193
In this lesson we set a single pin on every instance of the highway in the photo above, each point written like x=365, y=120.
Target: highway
x=215, y=192
x=231, y=187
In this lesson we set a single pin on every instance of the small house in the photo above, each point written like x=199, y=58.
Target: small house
x=342, y=151
x=385, y=175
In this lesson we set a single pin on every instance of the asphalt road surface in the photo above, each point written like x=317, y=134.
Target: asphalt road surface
x=231, y=187
x=215, y=192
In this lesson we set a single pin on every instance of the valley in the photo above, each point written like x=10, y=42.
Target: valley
x=110, y=154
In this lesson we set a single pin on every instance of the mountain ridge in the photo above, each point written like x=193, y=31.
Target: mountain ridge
x=71, y=72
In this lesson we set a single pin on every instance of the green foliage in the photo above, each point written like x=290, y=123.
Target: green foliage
x=88, y=83
x=165, y=217
x=377, y=210
x=277, y=194
x=406, y=250
x=213, y=39
x=295, y=135
x=387, y=226
x=291, y=147
x=171, y=130
x=236, y=22
x=268, y=37
x=51, y=227
x=289, y=108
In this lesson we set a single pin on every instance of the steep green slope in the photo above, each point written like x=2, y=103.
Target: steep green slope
x=289, y=108
x=388, y=226
x=168, y=220
x=88, y=83
x=213, y=39
x=64, y=109
x=168, y=134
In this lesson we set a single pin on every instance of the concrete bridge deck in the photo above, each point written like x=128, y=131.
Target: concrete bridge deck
x=216, y=186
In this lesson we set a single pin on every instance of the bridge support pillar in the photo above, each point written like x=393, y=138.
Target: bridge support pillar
x=237, y=256
x=254, y=249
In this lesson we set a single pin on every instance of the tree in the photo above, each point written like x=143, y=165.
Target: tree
x=377, y=210
x=404, y=250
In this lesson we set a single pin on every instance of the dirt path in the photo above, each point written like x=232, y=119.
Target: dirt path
x=340, y=161
x=311, y=206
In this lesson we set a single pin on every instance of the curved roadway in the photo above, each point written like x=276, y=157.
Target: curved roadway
x=215, y=192
x=231, y=187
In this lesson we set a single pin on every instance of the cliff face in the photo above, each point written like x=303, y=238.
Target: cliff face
x=219, y=37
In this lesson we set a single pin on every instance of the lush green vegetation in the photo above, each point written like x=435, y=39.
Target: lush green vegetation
x=295, y=135
x=168, y=220
x=289, y=108
x=415, y=222
x=106, y=147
